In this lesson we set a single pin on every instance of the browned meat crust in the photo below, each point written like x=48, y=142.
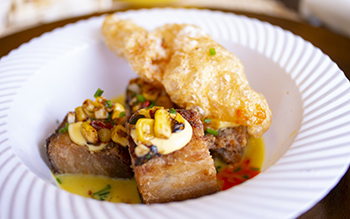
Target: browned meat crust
x=229, y=144
x=67, y=157
x=183, y=174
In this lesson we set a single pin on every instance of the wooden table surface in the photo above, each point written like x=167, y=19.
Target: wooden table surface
x=337, y=203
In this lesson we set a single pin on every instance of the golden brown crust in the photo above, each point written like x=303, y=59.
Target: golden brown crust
x=183, y=174
x=177, y=56
x=66, y=157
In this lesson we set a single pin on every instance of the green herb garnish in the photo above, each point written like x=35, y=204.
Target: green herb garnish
x=212, y=51
x=108, y=104
x=58, y=180
x=255, y=169
x=245, y=176
x=212, y=131
x=103, y=193
x=122, y=114
x=64, y=129
x=172, y=111
x=57, y=121
x=207, y=120
x=237, y=169
x=109, y=117
x=98, y=93
x=151, y=105
x=140, y=98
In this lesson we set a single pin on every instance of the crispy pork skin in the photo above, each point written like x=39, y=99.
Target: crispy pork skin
x=183, y=174
x=66, y=157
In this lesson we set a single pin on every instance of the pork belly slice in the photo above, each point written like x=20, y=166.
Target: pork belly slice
x=66, y=157
x=229, y=145
x=183, y=174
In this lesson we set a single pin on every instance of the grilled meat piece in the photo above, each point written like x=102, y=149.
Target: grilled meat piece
x=229, y=144
x=67, y=157
x=180, y=175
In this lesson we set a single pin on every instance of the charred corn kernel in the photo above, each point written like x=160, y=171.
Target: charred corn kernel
x=162, y=124
x=71, y=117
x=165, y=101
x=145, y=129
x=104, y=135
x=89, y=133
x=117, y=109
x=118, y=135
x=179, y=118
x=217, y=124
x=149, y=92
x=88, y=107
x=100, y=99
x=141, y=150
x=144, y=112
x=101, y=112
x=80, y=114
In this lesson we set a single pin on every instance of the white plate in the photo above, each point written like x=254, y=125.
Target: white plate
x=307, y=146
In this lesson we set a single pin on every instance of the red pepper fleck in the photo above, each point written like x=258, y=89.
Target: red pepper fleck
x=97, y=124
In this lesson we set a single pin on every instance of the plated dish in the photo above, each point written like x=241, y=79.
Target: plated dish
x=297, y=171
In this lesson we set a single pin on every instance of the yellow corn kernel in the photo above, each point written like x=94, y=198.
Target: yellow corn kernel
x=100, y=99
x=149, y=92
x=101, y=112
x=165, y=101
x=89, y=133
x=117, y=109
x=144, y=112
x=71, y=117
x=145, y=129
x=88, y=107
x=80, y=114
x=118, y=135
x=141, y=150
x=162, y=124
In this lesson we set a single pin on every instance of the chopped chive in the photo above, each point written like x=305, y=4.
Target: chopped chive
x=237, y=169
x=256, y=169
x=207, y=120
x=122, y=114
x=212, y=51
x=140, y=98
x=172, y=111
x=57, y=121
x=108, y=104
x=114, y=122
x=151, y=105
x=98, y=93
x=58, y=180
x=102, y=190
x=109, y=117
x=212, y=131
x=64, y=129
x=245, y=176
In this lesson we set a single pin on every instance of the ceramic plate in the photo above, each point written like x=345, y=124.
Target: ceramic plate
x=307, y=145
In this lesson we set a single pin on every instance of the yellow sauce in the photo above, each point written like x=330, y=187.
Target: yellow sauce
x=90, y=186
x=249, y=166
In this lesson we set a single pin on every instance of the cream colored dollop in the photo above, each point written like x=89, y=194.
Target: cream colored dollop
x=176, y=141
x=77, y=137
x=177, y=57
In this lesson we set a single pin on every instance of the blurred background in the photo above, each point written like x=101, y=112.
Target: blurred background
x=17, y=15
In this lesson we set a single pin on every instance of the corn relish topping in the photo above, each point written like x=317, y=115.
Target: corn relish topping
x=96, y=123
x=158, y=131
